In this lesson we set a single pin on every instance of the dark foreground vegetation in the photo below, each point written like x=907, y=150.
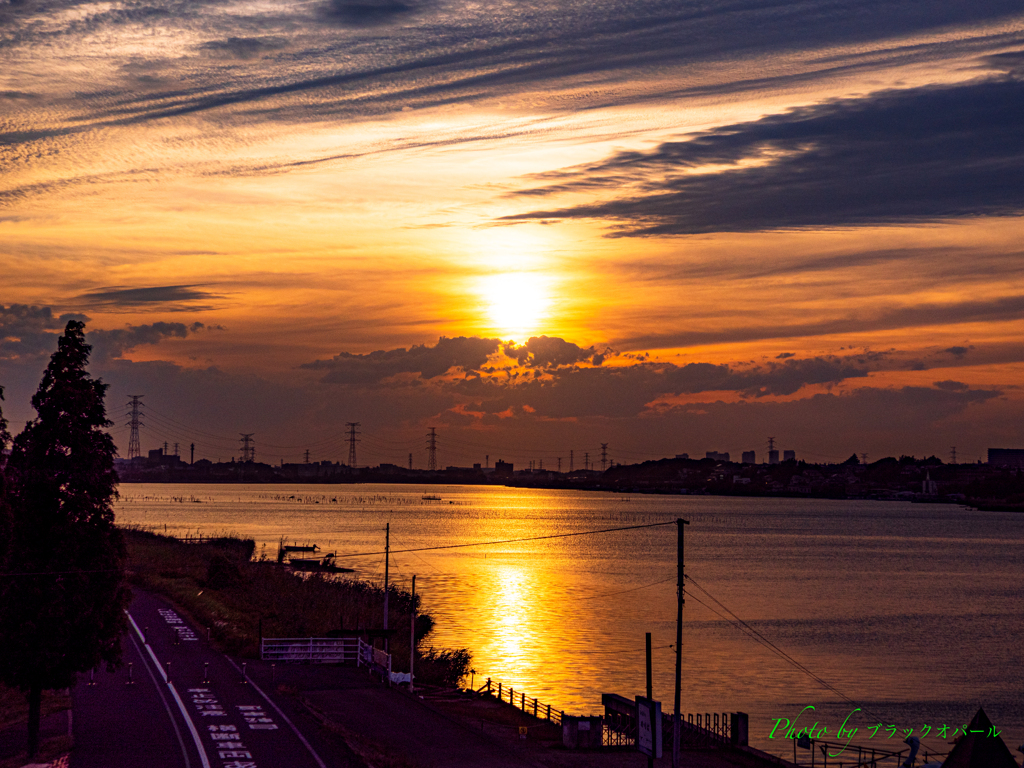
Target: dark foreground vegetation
x=240, y=599
x=62, y=595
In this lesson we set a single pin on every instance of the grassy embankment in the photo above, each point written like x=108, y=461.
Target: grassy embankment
x=221, y=587
x=14, y=716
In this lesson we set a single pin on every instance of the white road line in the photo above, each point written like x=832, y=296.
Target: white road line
x=184, y=712
x=163, y=700
x=282, y=715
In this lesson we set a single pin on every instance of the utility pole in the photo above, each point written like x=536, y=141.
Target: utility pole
x=571, y=468
x=604, y=456
x=410, y=461
x=352, y=442
x=192, y=453
x=487, y=461
x=134, y=451
x=559, y=465
x=176, y=449
x=952, y=455
x=166, y=452
x=387, y=558
x=306, y=455
x=864, y=459
x=650, y=695
x=432, y=449
x=248, y=447
x=540, y=466
x=412, y=633
x=681, y=581
x=586, y=461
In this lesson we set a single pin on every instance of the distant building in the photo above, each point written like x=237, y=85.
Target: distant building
x=750, y=457
x=157, y=458
x=773, y=457
x=682, y=455
x=717, y=456
x=1006, y=457
x=503, y=467
x=789, y=455
x=928, y=486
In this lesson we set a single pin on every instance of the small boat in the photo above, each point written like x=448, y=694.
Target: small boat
x=317, y=565
x=431, y=497
x=301, y=547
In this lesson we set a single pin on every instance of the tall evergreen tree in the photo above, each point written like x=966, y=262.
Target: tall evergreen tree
x=62, y=603
x=5, y=511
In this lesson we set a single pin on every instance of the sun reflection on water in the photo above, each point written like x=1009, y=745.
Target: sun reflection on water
x=511, y=613
x=853, y=592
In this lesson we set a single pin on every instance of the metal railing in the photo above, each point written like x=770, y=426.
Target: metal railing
x=325, y=650
x=519, y=700
x=311, y=650
x=620, y=730
x=836, y=755
x=709, y=730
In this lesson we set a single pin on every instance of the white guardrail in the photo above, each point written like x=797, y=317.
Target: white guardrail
x=324, y=650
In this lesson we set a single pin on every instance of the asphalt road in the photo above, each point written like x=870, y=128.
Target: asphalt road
x=187, y=706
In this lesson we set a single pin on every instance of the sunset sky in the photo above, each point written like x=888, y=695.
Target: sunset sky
x=666, y=225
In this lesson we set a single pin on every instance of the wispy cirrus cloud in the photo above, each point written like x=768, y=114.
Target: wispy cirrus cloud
x=243, y=48
x=1001, y=309
x=906, y=157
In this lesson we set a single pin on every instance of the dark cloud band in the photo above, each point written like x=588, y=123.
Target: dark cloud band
x=904, y=157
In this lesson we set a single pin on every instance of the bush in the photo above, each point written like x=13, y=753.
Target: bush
x=446, y=667
x=240, y=600
x=222, y=573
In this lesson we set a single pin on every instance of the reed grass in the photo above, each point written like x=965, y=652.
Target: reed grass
x=224, y=589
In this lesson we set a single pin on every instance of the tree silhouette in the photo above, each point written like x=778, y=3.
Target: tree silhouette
x=62, y=601
x=6, y=522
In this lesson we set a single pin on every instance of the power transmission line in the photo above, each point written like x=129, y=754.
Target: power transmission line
x=511, y=541
x=633, y=589
x=432, y=450
x=744, y=627
x=352, y=441
x=134, y=450
x=248, y=447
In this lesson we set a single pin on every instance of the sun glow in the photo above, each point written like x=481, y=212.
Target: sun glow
x=516, y=303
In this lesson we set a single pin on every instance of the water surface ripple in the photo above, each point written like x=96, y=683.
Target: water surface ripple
x=912, y=611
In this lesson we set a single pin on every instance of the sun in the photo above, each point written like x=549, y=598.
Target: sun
x=516, y=303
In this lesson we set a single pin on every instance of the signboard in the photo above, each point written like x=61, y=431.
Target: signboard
x=648, y=726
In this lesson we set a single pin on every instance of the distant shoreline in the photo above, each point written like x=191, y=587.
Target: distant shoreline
x=985, y=487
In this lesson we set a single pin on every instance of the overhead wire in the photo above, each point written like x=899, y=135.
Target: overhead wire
x=624, y=591
x=167, y=425
x=511, y=541
x=744, y=627
x=58, y=573
x=425, y=562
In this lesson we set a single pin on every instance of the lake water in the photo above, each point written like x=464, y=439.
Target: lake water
x=913, y=612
